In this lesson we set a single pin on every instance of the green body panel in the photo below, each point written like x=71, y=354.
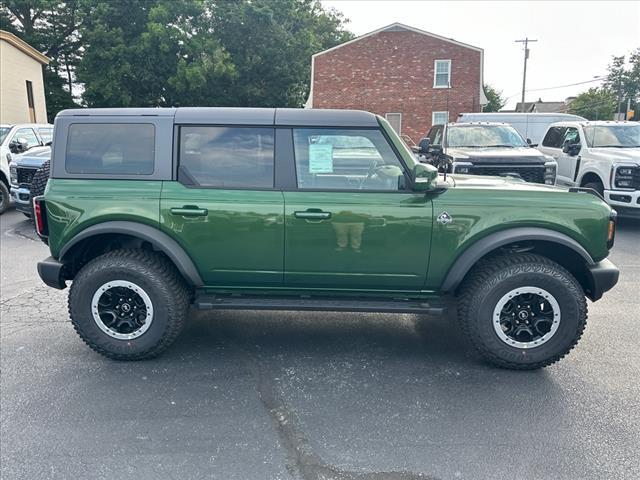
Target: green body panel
x=371, y=241
x=73, y=205
x=480, y=206
x=240, y=241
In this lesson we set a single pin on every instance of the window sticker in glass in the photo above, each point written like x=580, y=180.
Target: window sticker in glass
x=320, y=158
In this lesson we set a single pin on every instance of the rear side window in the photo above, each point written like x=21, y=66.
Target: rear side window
x=46, y=134
x=554, y=137
x=233, y=157
x=111, y=148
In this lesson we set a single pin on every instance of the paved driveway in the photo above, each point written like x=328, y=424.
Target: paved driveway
x=272, y=395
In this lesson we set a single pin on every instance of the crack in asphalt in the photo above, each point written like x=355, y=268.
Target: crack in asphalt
x=302, y=461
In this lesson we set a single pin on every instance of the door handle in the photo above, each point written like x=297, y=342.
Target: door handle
x=313, y=215
x=190, y=211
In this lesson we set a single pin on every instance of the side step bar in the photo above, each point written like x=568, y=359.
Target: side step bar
x=241, y=302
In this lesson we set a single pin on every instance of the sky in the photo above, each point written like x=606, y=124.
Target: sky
x=575, y=40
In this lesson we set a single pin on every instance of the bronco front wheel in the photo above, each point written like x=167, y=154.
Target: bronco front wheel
x=128, y=304
x=522, y=311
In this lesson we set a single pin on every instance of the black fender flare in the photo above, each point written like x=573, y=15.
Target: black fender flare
x=480, y=248
x=158, y=239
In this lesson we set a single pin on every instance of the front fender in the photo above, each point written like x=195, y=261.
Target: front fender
x=487, y=244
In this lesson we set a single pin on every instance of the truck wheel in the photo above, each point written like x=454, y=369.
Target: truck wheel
x=5, y=198
x=128, y=304
x=597, y=186
x=522, y=311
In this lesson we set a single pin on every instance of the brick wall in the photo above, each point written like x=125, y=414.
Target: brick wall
x=393, y=71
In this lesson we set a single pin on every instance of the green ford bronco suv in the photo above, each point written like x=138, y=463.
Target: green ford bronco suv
x=151, y=211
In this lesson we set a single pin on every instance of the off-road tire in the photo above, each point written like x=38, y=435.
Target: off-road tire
x=597, y=186
x=493, y=278
x=161, y=281
x=5, y=197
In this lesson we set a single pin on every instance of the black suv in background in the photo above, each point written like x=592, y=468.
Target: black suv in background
x=485, y=148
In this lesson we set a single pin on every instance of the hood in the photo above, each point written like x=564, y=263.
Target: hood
x=497, y=183
x=517, y=155
x=33, y=158
x=617, y=154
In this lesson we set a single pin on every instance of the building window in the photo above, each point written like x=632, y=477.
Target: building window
x=442, y=74
x=395, y=120
x=30, y=102
x=439, y=118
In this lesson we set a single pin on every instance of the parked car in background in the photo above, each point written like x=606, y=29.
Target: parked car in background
x=22, y=171
x=150, y=210
x=604, y=156
x=485, y=148
x=16, y=139
x=532, y=126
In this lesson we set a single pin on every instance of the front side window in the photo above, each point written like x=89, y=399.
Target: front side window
x=554, y=137
x=611, y=136
x=439, y=118
x=484, y=136
x=571, y=136
x=442, y=74
x=110, y=149
x=228, y=157
x=435, y=135
x=27, y=134
x=346, y=160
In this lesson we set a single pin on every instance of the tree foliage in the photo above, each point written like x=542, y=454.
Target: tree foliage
x=494, y=96
x=624, y=81
x=594, y=104
x=126, y=53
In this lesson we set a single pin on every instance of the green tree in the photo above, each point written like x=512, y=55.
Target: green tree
x=151, y=53
x=494, y=96
x=623, y=81
x=50, y=26
x=594, y=104
x=271, y=44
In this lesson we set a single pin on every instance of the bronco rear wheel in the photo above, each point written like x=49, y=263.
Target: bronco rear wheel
x=128, y=304
x=522, y=311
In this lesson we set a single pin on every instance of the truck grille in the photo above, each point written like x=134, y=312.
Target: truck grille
x=25, y=175
x=528, y=174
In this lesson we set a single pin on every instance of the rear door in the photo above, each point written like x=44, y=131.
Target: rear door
x=224, y=209
x=353, y=223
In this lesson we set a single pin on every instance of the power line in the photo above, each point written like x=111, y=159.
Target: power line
x=597, y=79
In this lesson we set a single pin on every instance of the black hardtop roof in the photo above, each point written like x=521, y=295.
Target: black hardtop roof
x=240, y=116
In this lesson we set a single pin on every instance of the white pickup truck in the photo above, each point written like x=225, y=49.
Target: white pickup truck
x=604, y=156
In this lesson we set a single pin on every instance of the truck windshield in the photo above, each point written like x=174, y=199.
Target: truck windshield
x=610, y=136
x=484, y=136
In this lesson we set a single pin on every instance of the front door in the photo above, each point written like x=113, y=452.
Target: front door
x=567, y=164
x=224, y=210
x=352, y=223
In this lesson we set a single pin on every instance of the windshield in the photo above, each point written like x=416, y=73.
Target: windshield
x=621, y=136
x=4, y=131
x=482, y=136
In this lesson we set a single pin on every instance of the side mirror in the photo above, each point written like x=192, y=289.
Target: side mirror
x=423, y=146
x=571, y=149
x=424, y=177
x=19, y=145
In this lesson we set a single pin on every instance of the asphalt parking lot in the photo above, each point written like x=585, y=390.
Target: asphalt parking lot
x=274, y=395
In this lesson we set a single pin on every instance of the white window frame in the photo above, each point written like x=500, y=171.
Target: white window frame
x=433, y=117
x=386, y=116
x=435, y=73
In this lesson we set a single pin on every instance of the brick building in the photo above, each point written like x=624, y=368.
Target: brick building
x=413, y=78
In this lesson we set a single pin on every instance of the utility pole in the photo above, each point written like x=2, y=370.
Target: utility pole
x=524, y=74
